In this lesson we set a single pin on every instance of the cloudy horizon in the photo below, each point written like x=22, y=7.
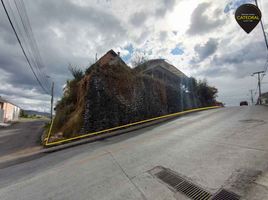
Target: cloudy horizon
x=201, y=39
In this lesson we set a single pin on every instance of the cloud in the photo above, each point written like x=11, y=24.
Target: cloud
x=72, y=32
x=201, y=23
x=233, y=5
x=166, y=6
x=66, y=33
x=138, y=18
x=163, y=36
x=239, y=63
x=206, y=50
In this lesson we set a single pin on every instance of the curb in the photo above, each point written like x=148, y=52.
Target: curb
x=104, y=135
x=21, y=159
x=116, y=132
x=120, y=127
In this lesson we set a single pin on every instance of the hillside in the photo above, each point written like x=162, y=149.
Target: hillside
x=36, y=113
x=110, y=94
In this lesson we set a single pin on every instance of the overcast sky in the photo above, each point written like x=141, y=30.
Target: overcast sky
x=201, y=38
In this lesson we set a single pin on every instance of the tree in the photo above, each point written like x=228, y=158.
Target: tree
x=23, y=114
x=77, y=73
x=206, y=94
x=138, y=59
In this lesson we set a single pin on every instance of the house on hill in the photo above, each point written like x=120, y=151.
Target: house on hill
x=8, y=111
x=162, y=70
x=109, y=58
x=156, y=68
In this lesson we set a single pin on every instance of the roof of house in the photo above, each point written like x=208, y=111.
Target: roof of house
x=108, y=57
x=150, y=64
x=3, y=100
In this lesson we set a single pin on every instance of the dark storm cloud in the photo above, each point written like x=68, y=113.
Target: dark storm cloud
x=14, y=64
x=164, y=6
x=9, y=91
x=201, y=23
x=240, y=63
x=215, y=71
x=206, y=50
x=71, y=20
x=65, y=12
x=249, y=53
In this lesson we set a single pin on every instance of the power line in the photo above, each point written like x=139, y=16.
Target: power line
x=35, y=46
x=38, y=64
x=23, y=38
x=23, y=51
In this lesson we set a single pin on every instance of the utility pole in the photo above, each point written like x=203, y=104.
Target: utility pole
x=52, y=96
x=264, y=34
x=251, y=92
x=259, y=83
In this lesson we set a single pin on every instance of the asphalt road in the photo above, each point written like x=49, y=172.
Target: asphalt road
x=226, y=147
x=22, y=136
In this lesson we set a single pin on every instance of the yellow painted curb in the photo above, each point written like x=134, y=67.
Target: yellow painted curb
x=49, y=133
x=120, y=127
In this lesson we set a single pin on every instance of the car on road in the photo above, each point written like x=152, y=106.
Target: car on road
x=243, y=103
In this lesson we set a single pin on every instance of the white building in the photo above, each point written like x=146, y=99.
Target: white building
x=8, y=111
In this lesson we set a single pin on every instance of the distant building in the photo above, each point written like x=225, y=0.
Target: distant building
x=162, y=70
x=8, y=111
x=156, y=68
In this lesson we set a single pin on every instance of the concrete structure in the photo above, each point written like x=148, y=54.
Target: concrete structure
x=8, y=111
x=162, y=70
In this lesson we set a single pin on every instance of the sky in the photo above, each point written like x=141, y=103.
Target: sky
x=201, y=38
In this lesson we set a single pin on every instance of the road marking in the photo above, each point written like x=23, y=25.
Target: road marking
x=47, y=143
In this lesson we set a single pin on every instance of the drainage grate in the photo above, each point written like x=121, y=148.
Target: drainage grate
x=225, y=195
x=169, y=178
x=183, y=186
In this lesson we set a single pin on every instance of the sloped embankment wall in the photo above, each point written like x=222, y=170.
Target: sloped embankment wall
x=114, y=94
x=117, y=96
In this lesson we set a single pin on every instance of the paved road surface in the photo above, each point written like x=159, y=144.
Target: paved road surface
x=20, y=137
x=218, y=148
